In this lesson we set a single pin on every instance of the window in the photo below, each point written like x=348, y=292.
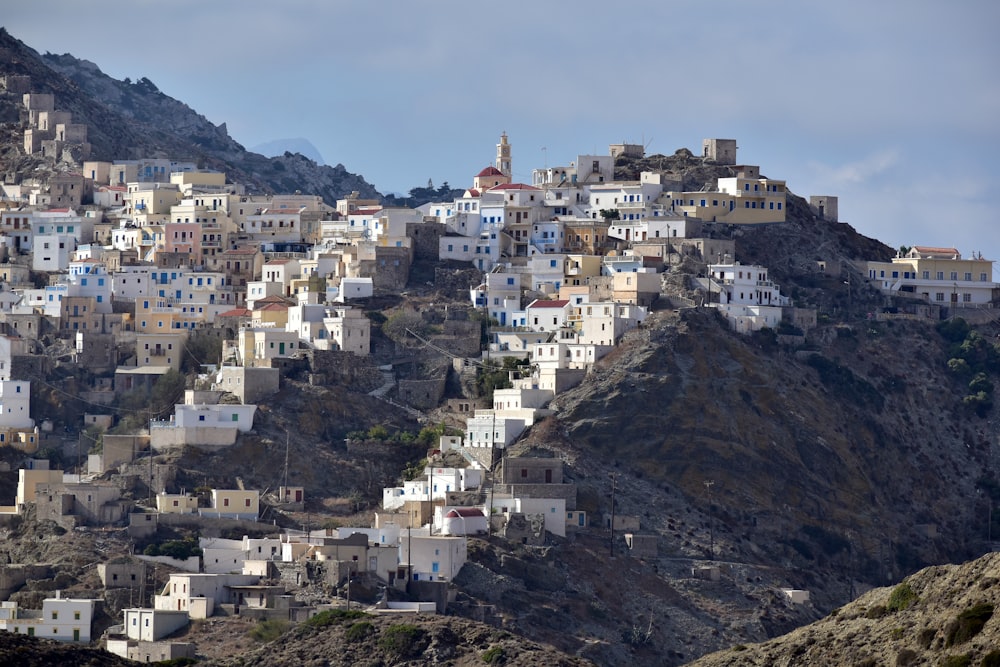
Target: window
x=968, y=275
x=939, y=296
x=982, y=277
x=940, y=275
x=55, y=616
x=954, y=275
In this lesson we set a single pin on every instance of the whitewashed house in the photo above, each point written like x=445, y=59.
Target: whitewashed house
x=434, y=557
x=61, y=619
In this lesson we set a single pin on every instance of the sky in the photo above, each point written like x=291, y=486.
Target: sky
x=892, y=107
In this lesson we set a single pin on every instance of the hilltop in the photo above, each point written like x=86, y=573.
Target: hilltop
x=941, y=615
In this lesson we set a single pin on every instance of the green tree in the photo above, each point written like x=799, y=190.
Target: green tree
x=200, y=350
x=980, y=383
x=959, y=367
x=166, y=392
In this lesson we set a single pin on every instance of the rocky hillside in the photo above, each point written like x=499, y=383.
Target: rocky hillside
x=127, y=119
x=27, y=651
x=357, y=639
x=942, y=615
x=842, y=456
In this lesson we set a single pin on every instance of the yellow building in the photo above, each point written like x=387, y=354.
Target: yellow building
x=938, y=275
x=580, y=268
x=154, y=316
x=740, y=200
x=176, y=503
x=188, y=179
x=28, y=480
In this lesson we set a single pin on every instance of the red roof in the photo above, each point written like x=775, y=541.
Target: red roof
x=513, y=186
x=489, y=171
x=472, y=192
x=236, y=312
x=558, y=303
x=935, y=251
x=277, y=262
x=273, y=298
x=464, y=512
x=270, y=306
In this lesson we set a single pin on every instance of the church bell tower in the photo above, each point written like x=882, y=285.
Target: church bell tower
x=503, y=156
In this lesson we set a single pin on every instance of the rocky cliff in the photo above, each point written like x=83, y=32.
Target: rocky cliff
x=942, y=615
x=131, y=119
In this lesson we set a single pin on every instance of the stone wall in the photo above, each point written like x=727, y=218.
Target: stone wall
x=524, y=470
x=250, y=384
x=29, y=365
x=422, y=394
x=337, y=367
x=456, y=282
x=391, y=268
x=14, y=577
x=525, y=528
x=201, y=437
x=425, y=237
x=99, y=352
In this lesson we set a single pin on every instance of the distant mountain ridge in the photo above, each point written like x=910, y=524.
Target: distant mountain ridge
x=296, y=145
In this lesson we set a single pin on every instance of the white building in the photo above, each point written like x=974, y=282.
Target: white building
x=434, y=557
x=351, y=288
x=746, y=297
x=52, y=252
x=150, y=625
x=547, y=314
x=197, y=594
x=239, y=417
x=62, y=619
x=487, y=429
x=553, y=509
x=15, y=404
x=434, y=484
x=460, y=521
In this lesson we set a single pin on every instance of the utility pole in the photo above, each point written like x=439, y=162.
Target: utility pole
x=711, y=520
x=430, y=497
x=614, y=480
x=149, y=429
x=492, y=472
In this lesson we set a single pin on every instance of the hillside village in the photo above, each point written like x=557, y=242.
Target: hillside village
x=133, y=272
